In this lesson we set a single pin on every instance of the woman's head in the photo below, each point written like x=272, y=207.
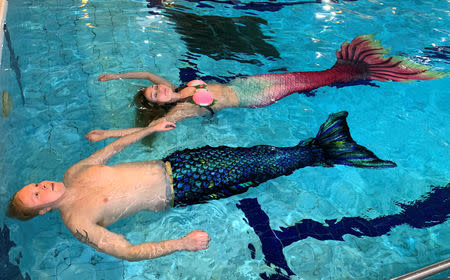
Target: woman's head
x=35, y=199
x=160, y=94
x=148, y=111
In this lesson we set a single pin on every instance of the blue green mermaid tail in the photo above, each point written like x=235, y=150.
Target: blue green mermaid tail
x=209, y=173
x=339, y=148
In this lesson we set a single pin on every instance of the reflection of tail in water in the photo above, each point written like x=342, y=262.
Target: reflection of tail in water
x=14, y=62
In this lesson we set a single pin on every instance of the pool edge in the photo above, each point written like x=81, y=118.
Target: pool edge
x=3, y=8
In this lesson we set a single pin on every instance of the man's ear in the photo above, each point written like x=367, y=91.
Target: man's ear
x=45, y=210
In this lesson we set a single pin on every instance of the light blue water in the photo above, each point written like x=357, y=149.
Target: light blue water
x=63, y=46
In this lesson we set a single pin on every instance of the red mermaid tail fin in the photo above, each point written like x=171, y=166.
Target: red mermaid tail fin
x=368, y=53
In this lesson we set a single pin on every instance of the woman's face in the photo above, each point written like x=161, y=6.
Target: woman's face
x=159, y=94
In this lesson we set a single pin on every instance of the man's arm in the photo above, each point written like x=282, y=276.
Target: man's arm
x=136, y=75
x=116, y=245
x=178, y=113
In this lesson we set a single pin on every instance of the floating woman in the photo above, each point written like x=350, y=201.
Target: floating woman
x=361, y=59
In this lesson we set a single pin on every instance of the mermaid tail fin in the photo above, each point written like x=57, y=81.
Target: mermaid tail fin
x=339, y=147
x=367, y=53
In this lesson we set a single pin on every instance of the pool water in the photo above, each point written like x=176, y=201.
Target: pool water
x=57, y=49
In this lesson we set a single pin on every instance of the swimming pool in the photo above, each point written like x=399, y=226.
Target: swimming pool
x=62, y=46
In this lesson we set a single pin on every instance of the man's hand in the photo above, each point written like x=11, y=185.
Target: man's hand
x=96, y=135
x=107, y=77
x=162, y=125
x=196, y=240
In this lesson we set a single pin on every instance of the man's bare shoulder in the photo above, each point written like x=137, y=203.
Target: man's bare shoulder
x=76, y=169
x=79, y=171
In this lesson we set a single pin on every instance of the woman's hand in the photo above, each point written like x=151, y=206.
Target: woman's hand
x=107, y=77
x=162, y=125
x=97, y=135
x=196, y=240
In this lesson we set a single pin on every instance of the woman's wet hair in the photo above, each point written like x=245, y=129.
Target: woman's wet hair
x=147, y=111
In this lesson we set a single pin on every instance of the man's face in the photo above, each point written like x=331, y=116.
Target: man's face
x=38, y=195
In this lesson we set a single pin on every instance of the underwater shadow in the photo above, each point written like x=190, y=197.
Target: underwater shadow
x=223, y=37
x=10, y=271
x=431, y=209
x=268, y=6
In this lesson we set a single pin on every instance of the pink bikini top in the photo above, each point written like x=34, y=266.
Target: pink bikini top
x=202, y=97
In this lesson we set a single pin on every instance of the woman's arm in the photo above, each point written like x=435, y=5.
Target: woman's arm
x=100, y=134
x=136, y=75
x=102, y=156
x=178, y=113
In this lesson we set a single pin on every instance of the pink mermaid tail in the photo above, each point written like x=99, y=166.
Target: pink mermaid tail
x=364, y=50
x=361, y=59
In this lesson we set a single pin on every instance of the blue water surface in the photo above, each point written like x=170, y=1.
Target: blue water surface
x=57, y=49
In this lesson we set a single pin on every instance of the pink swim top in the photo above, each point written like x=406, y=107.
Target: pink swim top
x=202, y=96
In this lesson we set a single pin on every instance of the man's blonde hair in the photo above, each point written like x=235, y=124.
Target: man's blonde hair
x=18, y=210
